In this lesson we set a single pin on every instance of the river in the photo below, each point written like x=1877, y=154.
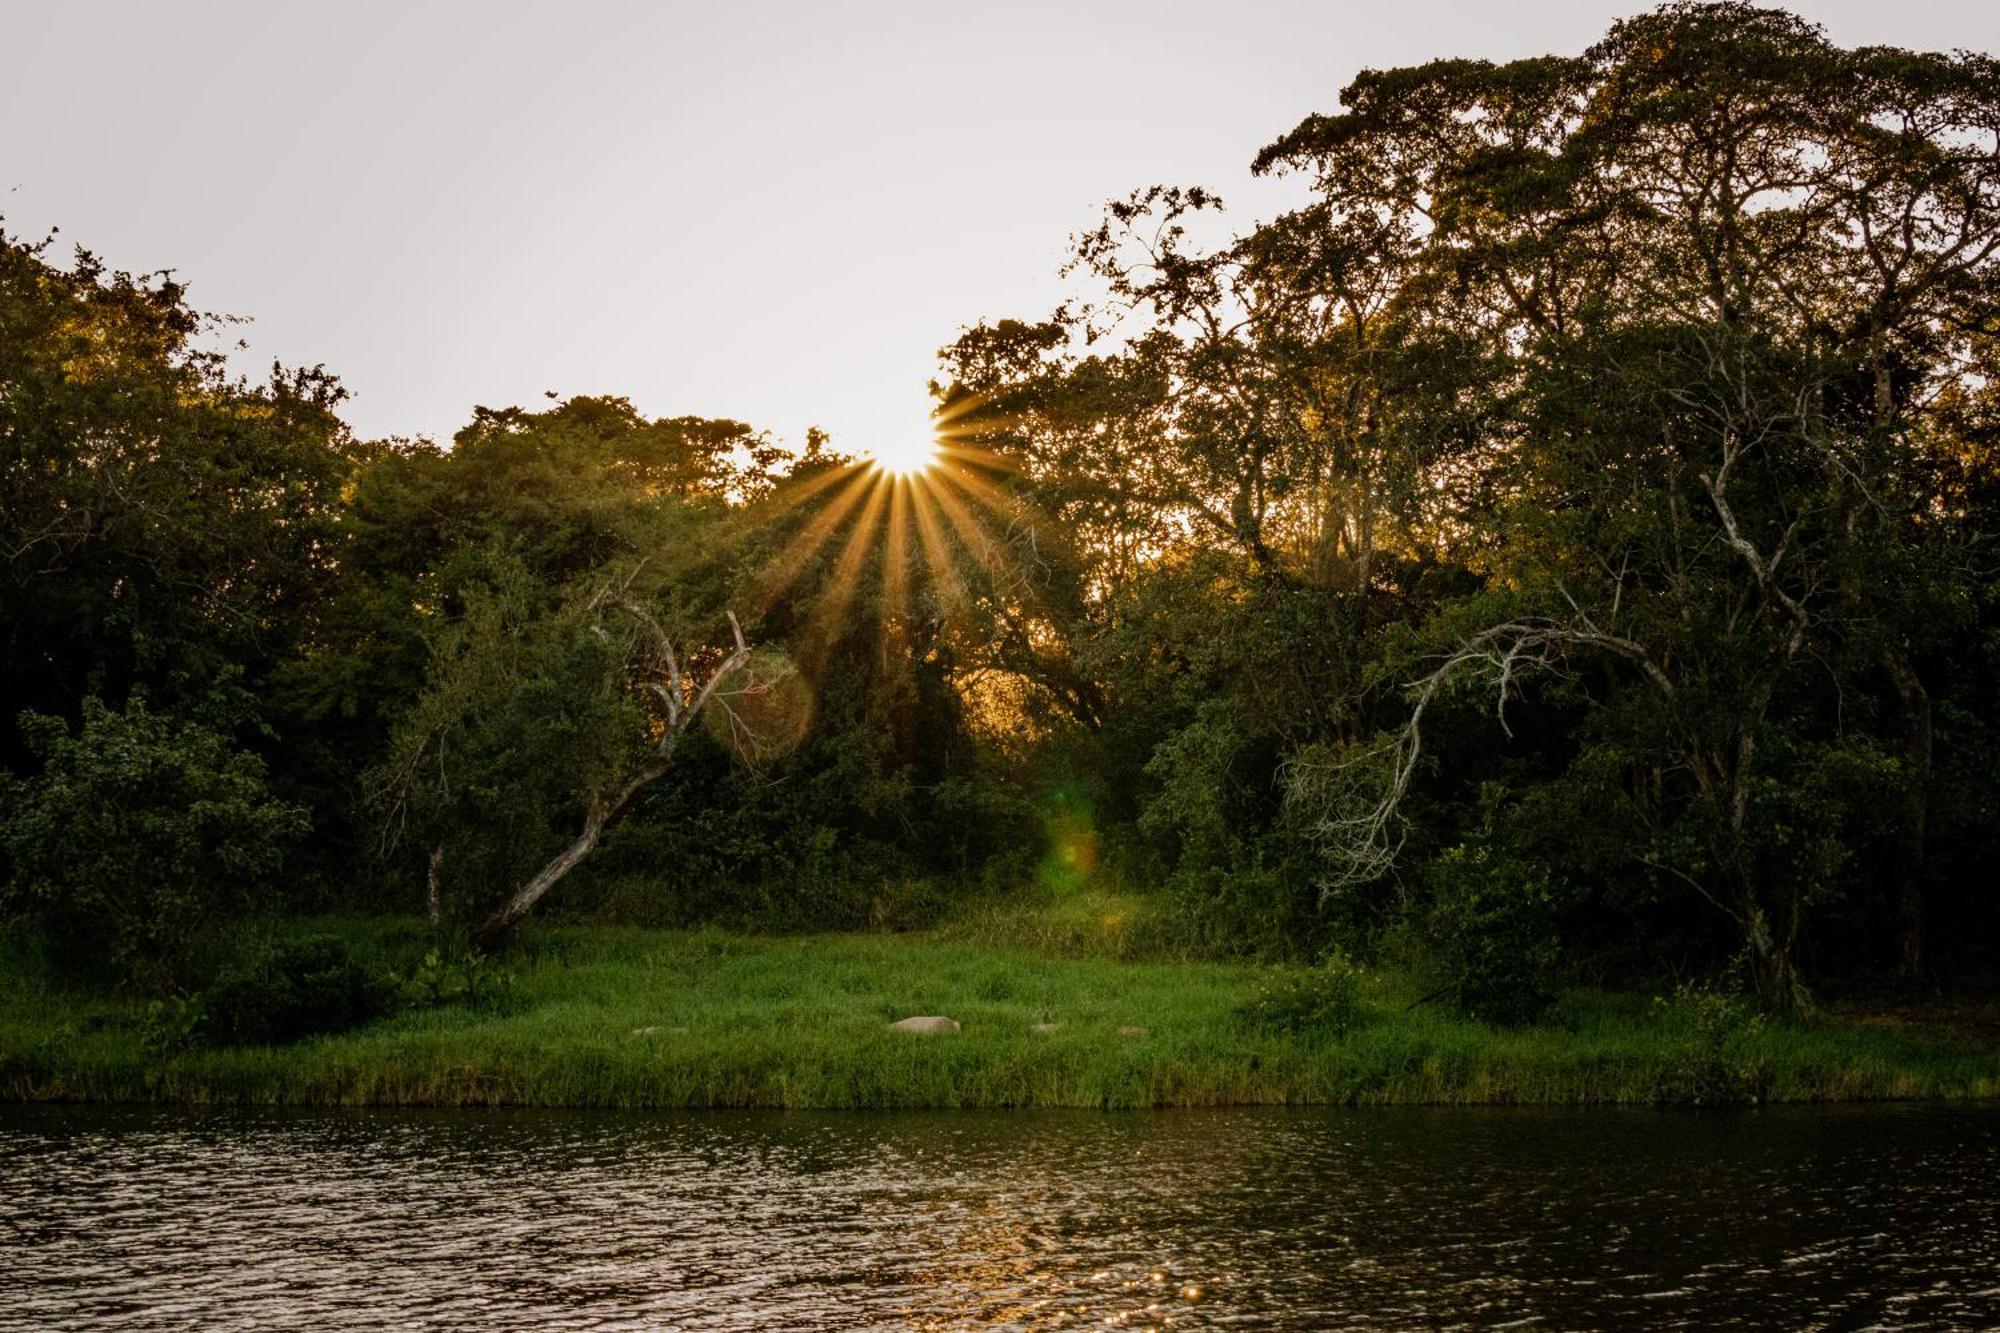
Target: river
x=127, y=1217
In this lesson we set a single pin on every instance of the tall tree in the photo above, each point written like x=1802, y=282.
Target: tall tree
x=1723, y=269
x=161, y=523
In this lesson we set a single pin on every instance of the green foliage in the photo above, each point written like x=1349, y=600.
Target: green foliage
x=170, y=1026
x=525, y=717
x=1322, y=1001
x=316, y=984
x=1706, y=471
x=452, y=976
x=1714, y=1054
x=1547, y=500
x=1191, y=803
x=160, y=521
x=303, y=987
x=139, y=832
x=1492, y=935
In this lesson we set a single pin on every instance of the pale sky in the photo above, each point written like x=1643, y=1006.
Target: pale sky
x=775, y=212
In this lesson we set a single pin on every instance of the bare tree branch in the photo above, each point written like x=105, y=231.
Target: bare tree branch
x=1353, y=799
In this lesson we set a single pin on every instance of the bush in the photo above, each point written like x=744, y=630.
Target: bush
x=302, y=988
x=1491, y=932
x=451, y=976
x=1713, y=1044
x=1325, y=1000
x=170, y=1026
x=139, y=832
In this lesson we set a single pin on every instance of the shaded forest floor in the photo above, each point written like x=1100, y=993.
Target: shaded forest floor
x=1963, y=1024
x=624, y=1017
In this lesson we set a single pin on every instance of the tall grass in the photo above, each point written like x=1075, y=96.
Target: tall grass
x=610, y=1017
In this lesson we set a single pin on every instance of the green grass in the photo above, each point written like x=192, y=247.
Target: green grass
x=802, y=1022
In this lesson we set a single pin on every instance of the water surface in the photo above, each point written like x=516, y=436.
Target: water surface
x=1824, y=1217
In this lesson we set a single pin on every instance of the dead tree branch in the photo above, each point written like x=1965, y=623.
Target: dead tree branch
x=1352, y=799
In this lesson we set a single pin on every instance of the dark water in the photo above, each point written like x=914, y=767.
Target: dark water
x=1840, y=1218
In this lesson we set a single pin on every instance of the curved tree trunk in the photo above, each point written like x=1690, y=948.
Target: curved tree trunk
x=596, y=815
x=1774, y=969
x=496, y=927
x=681, y=710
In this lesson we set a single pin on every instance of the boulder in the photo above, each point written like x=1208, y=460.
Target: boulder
x=925, y=1023
x=1043, y=1029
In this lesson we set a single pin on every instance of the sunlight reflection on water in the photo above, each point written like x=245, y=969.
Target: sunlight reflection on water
x=140, y=1218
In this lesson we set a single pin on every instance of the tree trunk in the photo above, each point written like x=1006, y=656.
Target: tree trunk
x=598, y=811
x=1773, y=970
x=1776, y=982
x=1916, y=703
x=433, y=886
x=596, y=816
x=496, y=927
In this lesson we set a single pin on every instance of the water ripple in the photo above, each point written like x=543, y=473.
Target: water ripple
x=144, y=1219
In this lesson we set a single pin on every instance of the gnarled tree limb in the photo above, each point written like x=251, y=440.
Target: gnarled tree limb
x=681, y=704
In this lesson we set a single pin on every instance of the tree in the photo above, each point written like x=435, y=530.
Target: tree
x=160, y=521
x=557, y=498
x=535, y=719
x=1721, y=269
x=139, y=832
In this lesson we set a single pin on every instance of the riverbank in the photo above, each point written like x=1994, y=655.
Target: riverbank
x=601, y=1017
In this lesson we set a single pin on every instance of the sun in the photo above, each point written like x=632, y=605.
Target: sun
x=906, y=453
x=920, y=495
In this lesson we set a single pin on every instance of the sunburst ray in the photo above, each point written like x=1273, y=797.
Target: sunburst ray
x=785, y=567
x=824, y=625
x=938, y=557
x=896, y=556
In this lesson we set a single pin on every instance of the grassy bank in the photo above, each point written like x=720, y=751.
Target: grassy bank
x=631, y=1018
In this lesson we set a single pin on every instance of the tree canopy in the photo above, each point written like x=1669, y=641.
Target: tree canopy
x=1566, y=538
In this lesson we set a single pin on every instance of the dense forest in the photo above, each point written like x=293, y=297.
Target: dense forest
x=1562, y=550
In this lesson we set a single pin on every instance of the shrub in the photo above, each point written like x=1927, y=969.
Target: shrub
x=451, y=976
x=1325, y=1000
x=1712, y=1040
x=139, y=832
x=303, y=987
x=170, y=1026
x=1491, y=932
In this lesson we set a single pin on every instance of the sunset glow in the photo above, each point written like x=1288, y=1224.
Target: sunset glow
x=906, y=455
x=783, y=592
